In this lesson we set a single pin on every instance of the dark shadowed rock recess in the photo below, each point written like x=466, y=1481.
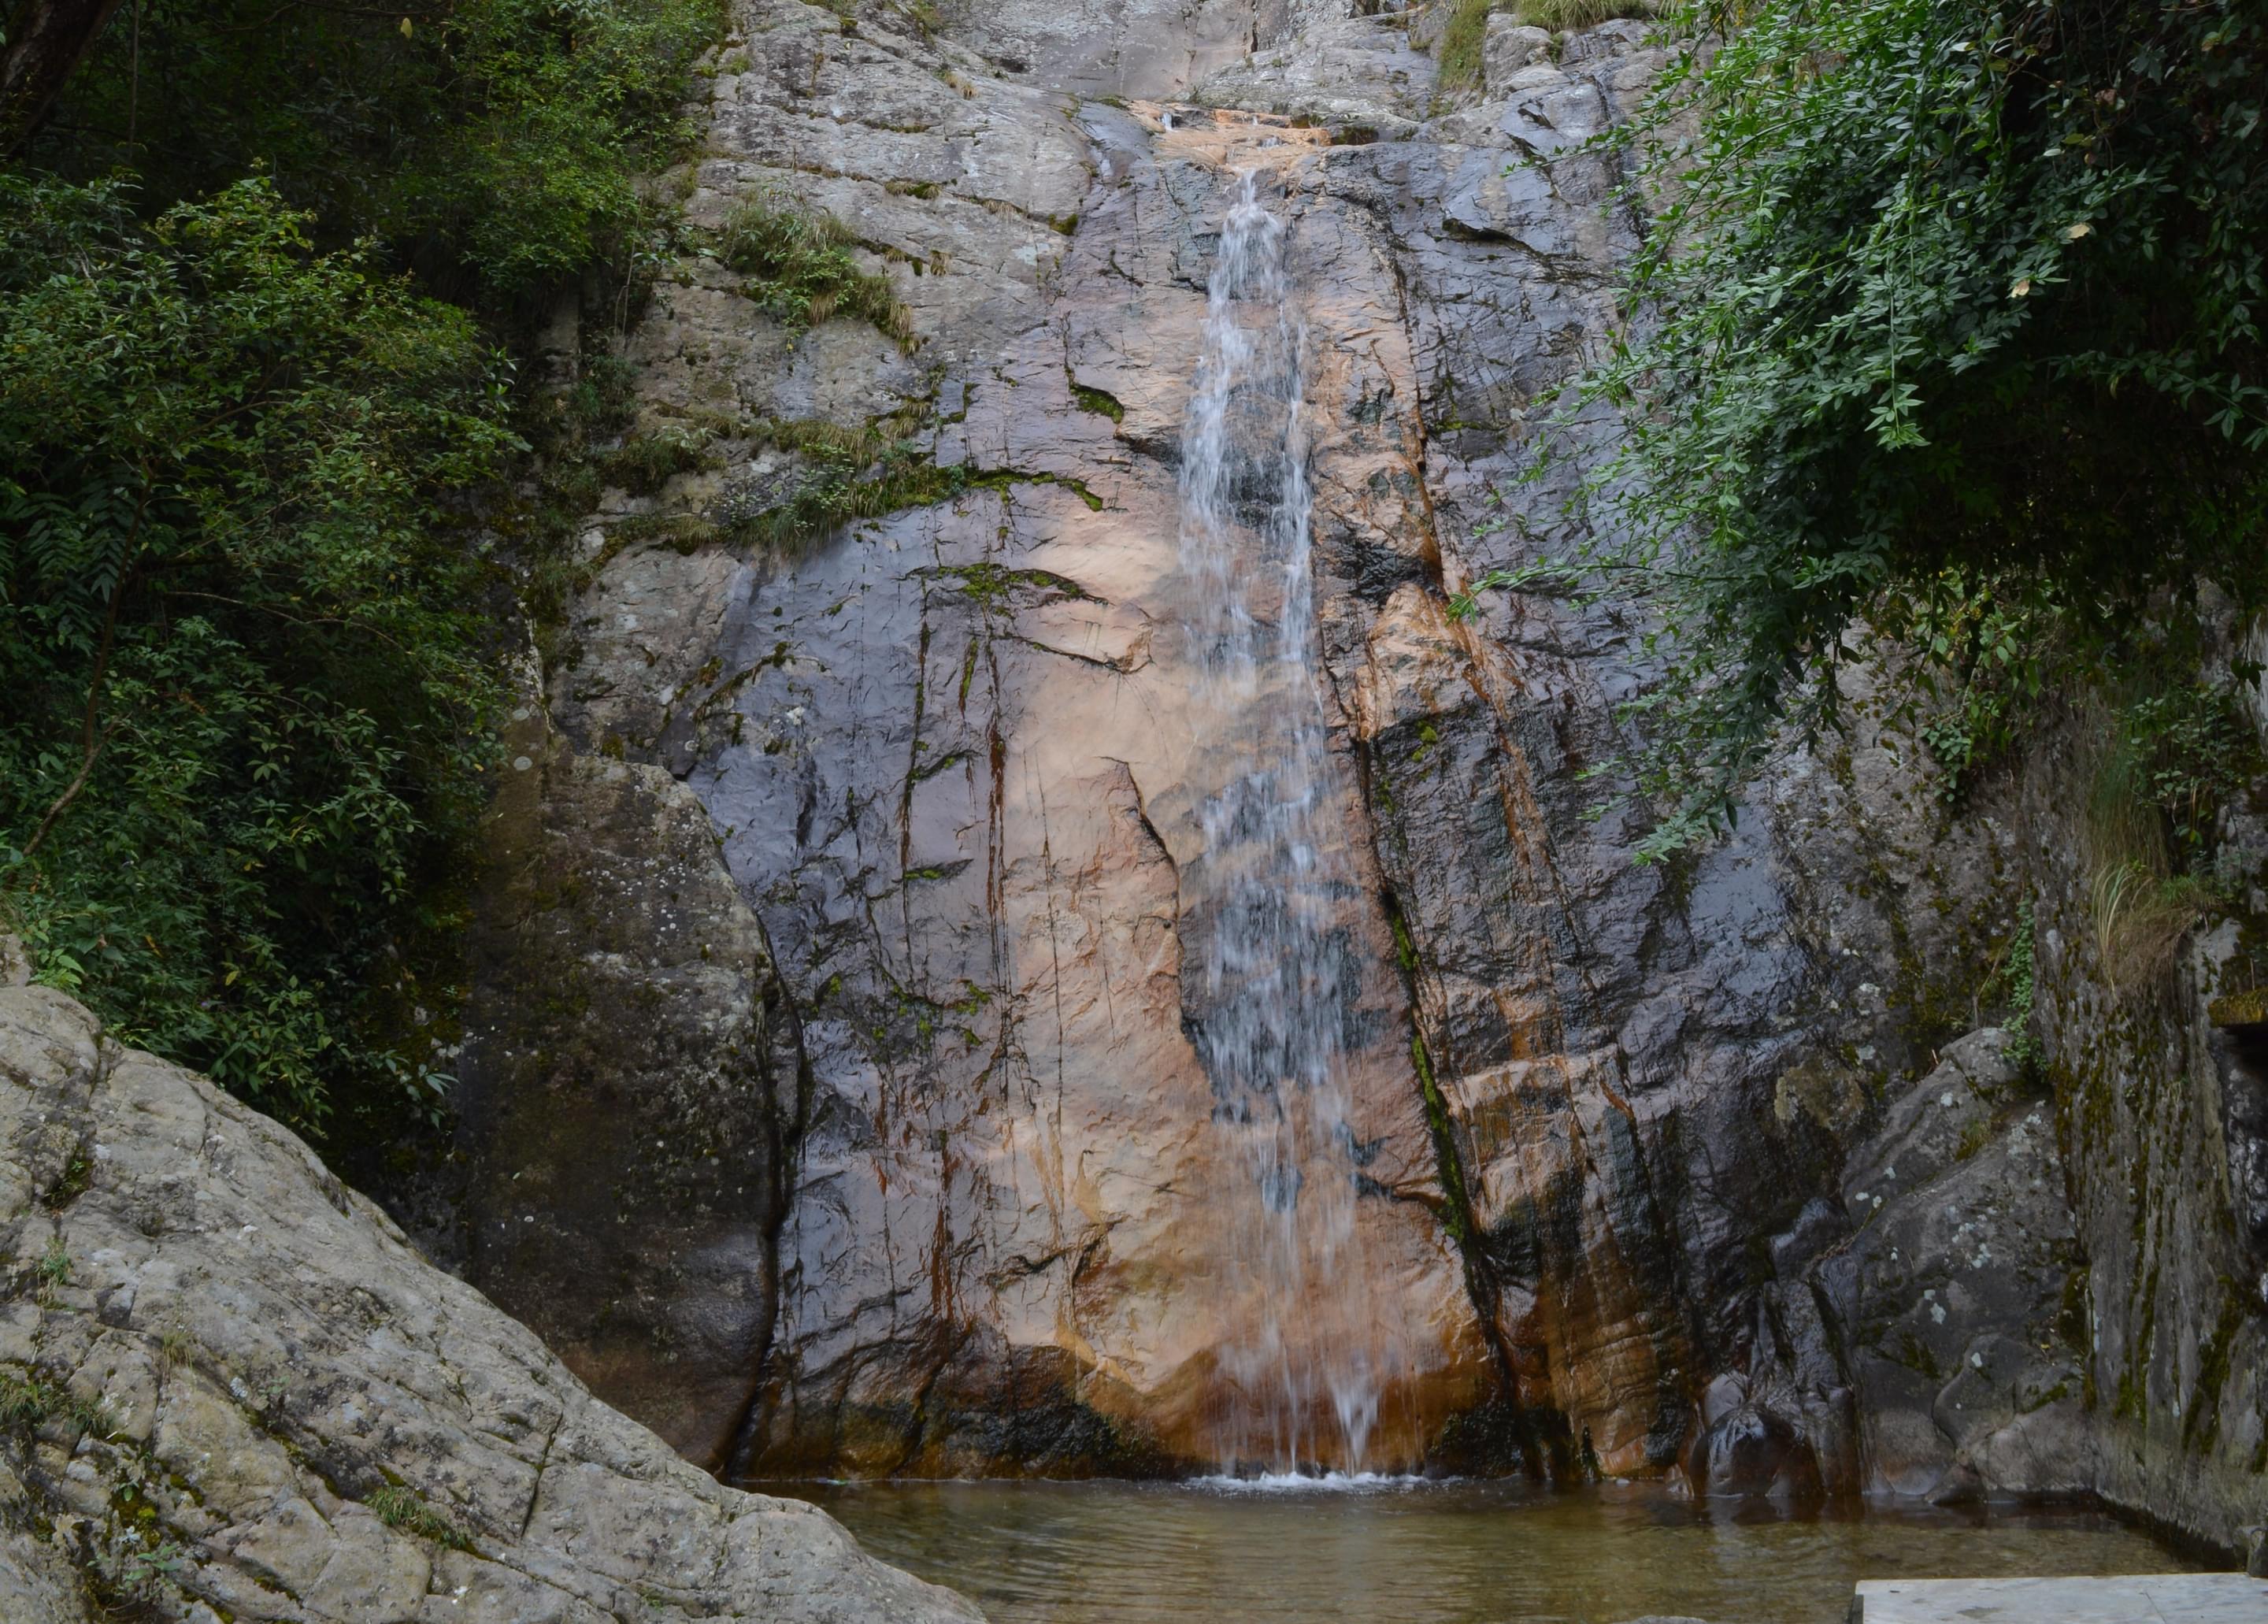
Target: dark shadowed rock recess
x=833, y=1093
x=230, y=1390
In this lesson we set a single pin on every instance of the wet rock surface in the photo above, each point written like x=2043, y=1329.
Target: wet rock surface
x=637, y=1057
x=951, y=758
x=1659, y=1178
x=968, y=803
x=233, y=1391
x=1954, y=1302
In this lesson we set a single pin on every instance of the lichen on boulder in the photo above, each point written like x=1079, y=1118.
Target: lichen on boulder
x=230, y=1388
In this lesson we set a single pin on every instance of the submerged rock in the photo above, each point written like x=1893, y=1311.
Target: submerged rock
x=230, y=1390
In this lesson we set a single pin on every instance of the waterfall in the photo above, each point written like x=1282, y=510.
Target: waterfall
x=1304, y=1373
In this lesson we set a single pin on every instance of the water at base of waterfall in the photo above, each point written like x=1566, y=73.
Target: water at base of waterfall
x=1431, y=1552
x=1304, y=1381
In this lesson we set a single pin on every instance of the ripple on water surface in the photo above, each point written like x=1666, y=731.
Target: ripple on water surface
x=1381, y=1549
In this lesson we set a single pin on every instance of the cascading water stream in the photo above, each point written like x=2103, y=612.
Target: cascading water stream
x=1305, y=1377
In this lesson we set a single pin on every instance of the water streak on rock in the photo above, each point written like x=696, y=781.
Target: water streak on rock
x=1304, y=1381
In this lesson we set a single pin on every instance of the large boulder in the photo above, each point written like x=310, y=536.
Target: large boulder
x=1918, y=1338
x=229, y=1389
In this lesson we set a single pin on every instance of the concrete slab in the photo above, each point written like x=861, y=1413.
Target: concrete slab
x=2126, y=1598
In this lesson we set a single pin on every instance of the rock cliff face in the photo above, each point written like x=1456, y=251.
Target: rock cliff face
x=229, y=1390
x=2162, y=1098
x=864, y=1127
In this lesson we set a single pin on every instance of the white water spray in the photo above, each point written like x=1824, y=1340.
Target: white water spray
x=1278, y=976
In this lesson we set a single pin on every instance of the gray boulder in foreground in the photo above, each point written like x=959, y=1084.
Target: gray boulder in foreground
x=230, y=1390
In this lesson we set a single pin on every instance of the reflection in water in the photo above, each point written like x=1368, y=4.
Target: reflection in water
x=1437, y=1554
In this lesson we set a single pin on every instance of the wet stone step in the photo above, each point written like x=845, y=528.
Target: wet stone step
x=2141, y=1598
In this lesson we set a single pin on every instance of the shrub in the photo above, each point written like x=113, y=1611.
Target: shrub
x=241, y=638
x=800, y=267
x=494, y=144
x=245, y=627
x=1936, y=288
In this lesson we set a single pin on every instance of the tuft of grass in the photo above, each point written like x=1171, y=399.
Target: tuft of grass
x=2141, y=908
x=922, y=16
x=1465, y=34
x=407, y=1509
x=26, y=1401
x=1459, y=54
x=800, y=267
x=1561, y=15
x=2140, y=917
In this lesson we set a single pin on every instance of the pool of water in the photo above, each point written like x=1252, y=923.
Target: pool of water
x=1437, y=1553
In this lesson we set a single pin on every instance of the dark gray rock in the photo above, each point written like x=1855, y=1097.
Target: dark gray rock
x=1953, y=1302
x=629, y=1054
x=2156, y=1114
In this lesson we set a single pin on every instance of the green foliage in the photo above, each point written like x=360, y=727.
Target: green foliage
x=494, y=144
x=840, y=495
x=241, y=643
x=129, y=1574
x=2020, y=976
x=2187, y=749
x=851, y=474
x=1981, y=658
x=245, y=631
x=1550, y=576
x=1466, y=33
x=642, y=464
x=800, y=267
x=1559, y=15
x=405, y=1509
x=1941, y=298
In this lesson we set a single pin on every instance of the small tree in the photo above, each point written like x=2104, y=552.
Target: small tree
x=1950, y=315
